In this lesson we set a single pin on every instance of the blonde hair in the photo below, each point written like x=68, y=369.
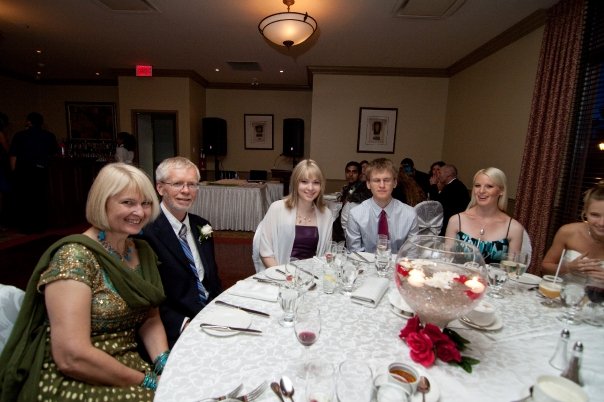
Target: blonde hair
x=596, y=193
x=380, y=164
x=500, y=181
x=112, y=180
x=305, y=170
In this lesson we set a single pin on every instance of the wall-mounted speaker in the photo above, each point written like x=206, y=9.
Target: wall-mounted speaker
x=214, y=136
x=293, y=137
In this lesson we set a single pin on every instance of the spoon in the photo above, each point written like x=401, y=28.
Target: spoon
x=423, y=387
x=277, y=390
x=287, y=387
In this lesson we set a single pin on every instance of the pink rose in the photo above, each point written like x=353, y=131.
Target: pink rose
x=434, y=333
x=421, y=349
x=447, y=351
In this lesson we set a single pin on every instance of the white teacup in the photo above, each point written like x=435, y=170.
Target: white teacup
x=483, y=314
x=551, y=388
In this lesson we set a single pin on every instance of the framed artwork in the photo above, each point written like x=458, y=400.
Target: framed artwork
x=91, y=120
x=377, y=130
x=258, y=130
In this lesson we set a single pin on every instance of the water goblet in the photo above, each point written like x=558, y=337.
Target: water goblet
x=288, y=298
x=572, y=295
x=320, y=381
x=550, y=287
x=382, y=255
x=355, y=382
x=497, y=277
x=307, y=327
x=515, y=263
x=594, y=289
x=350, y=271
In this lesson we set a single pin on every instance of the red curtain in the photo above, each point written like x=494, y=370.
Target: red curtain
x=550, y=122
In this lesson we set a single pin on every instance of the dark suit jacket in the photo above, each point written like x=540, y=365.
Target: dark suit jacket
x=182, y=296
x=454, y=198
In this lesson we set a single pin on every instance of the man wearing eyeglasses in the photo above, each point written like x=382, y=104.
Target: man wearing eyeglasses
x=184, y=246
x=380, y=214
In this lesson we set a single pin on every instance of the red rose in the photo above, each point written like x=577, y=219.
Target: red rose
x=434, y=333
x=412, y=326
x=402, y=270
x=422, y=351
x=472, y=295
x=461, y=279
x=447, y=351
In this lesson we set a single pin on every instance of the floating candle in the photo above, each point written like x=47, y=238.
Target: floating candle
x=416, y=278
x=475, y=285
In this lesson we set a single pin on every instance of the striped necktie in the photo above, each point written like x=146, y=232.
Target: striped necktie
x=182, y=237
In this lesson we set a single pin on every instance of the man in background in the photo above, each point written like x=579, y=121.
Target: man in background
x=454, y=195
x=30, y=153
x=353, y=186
x=184, y=246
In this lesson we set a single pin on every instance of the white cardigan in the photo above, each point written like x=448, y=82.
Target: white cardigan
x=277, y=231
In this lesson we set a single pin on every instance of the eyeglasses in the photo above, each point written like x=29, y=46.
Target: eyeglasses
x=178, y=186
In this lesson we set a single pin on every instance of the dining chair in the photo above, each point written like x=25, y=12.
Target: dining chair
x=527, y=246
x=10, y=304
x=429, y=217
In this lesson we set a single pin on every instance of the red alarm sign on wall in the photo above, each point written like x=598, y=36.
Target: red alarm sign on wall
x=144, y=71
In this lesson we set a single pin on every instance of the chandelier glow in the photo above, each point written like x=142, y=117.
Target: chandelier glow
x=288, y=29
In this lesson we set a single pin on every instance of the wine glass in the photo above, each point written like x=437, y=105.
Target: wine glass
x=550, y=287
x=350, y=271
x=331, y=251
x=497, y=277
x=515, y=263
x=382, y=255
x=307, y=327
x=594, y=289
x=355, y=382
x=572, y=295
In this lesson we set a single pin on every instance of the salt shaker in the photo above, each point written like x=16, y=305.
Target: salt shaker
x=560, y=358
x=572, y=370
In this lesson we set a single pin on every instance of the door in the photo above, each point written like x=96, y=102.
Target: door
x=156, y=134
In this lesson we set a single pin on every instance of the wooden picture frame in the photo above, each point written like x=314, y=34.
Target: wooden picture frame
x=258, y=130
x=377, y=130
x=91, y=120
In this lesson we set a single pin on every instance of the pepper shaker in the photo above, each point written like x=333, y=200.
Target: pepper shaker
x=560, y=358
x=572, y=371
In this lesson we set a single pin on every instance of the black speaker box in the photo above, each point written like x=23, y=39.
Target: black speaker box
x=293, y=137
x=214, y=136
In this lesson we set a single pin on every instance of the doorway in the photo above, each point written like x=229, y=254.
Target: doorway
x=156, y=135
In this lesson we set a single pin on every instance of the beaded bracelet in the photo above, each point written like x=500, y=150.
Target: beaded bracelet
x=160, y=362
x=150, y=381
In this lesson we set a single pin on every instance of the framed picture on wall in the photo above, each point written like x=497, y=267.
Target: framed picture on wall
x=91, y=120
x=258, y=129
x=377, y=130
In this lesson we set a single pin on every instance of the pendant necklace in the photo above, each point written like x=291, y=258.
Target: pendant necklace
x=592, y=236
x=481, y=233
x=123, y=257
x=301, y=220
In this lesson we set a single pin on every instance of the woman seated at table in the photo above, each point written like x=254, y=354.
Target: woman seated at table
x=484, y=223
x=299, y=225
x=88, y=298
x=583, y=241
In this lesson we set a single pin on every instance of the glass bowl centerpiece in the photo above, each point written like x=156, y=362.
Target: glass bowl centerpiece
x=441, y=278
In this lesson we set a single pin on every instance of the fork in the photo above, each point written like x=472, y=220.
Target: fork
x=231, y=394
x=253, y=394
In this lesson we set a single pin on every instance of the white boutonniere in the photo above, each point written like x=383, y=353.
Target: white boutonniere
x=205, y=233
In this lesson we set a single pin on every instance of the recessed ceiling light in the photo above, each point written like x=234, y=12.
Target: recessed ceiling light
x=97, y=74
x=38, y=51
x=217, y=70
x=281, y=71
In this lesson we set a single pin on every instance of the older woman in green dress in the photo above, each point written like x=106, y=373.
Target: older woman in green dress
x=89, y=297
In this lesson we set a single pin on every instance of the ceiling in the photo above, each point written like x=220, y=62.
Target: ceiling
x=84, y=40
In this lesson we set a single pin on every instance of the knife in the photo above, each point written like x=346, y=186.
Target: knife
x=247, y=310
x=228, y=328
x=305, y=271
x=263, y=280
x=361, y=257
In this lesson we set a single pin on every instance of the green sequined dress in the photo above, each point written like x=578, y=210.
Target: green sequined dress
x=113, y=330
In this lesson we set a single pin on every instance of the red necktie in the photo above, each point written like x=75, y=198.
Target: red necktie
x=383, y=224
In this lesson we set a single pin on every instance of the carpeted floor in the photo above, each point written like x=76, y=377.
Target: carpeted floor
x=20, y=253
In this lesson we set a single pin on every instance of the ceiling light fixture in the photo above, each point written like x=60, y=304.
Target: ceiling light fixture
x=288, y=29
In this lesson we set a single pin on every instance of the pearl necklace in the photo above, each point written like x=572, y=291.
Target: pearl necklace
x=123, y=257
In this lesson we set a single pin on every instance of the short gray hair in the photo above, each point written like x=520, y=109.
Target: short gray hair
x=177, y=162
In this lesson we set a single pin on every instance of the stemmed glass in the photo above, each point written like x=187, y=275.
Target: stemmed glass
x=515, y=264
x=595, y=308
x=350, y=272
x=572, y=295
x=382, y=255
x=551, y=289
x=497, y=278
x=355, y=382
x=307, y=326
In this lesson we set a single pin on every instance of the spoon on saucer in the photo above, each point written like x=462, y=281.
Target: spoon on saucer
x=287, y=387
x=423, y=387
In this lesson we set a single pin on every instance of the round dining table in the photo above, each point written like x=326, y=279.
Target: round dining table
x=209, y=364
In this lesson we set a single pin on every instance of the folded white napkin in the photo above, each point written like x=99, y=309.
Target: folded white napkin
x=370, y=292
x=255, y=290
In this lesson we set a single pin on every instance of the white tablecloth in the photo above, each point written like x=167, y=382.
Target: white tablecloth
x=274, y=192
x=231, y=207
x=201, y=365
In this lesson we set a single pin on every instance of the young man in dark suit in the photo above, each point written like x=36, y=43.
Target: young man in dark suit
x=184, y=246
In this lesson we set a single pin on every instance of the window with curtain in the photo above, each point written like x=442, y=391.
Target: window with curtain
x=584, y=161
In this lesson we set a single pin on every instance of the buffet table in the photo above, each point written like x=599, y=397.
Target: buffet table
x=511, y=358
x=235, y=206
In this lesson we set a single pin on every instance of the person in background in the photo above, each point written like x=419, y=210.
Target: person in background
x=583, y=241
x=380, y=214
x=124, y=151
x=353, y=185
x=435, y=186
x=364, y=164
x=89, y=296
x=421, y=178
x=485, y=222
x=30, y=153
x=184, y=246
x=454, y=195
x=299, y=225
x=407, y=190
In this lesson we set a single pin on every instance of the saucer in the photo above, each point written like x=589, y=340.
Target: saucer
x=496, y=325
x=527, y=279
x=227, y=317
x=399, y=304
x=432, y=395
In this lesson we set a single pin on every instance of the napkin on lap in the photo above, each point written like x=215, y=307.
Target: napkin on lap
x=255, y=290
x=370, y=292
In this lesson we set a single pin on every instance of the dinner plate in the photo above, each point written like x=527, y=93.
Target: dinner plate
x=397, y=302
x=227, y=317
x=496, y=325
x=272, y=273
x=527, y=279
x=432, y=395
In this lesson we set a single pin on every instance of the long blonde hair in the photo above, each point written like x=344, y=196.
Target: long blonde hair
x=500, y=181
x=305, y=169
